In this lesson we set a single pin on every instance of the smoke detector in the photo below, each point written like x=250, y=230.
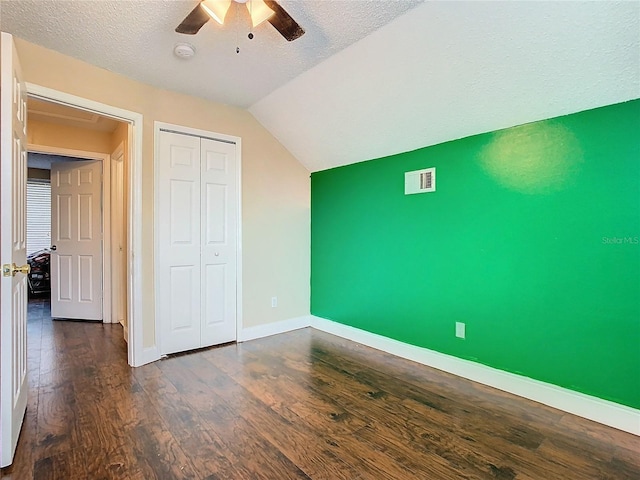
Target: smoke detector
x=184, y=50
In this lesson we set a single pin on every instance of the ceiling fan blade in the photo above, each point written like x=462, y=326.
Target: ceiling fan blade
x=283, y=22
x=193, y=22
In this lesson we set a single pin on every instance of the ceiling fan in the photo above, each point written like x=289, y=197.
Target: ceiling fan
x=260, y=10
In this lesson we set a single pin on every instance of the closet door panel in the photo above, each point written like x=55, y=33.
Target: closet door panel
x=219, y=240
x=179, y=243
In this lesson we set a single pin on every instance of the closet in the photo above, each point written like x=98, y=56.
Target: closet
x=196, y=241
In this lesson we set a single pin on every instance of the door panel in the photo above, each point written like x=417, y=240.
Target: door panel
x=216, y=288
x=13, y=288
x=183, y=212
x=215, y=217
x=85, y=222
x=63, y=276
x=179, y=243
x=76, y=231
x=184, y=304
x=86, y=275
x=63, y=206
x=219, y=183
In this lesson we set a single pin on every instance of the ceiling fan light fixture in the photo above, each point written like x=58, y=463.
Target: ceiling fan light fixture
x=259, y=11
x=216, y=9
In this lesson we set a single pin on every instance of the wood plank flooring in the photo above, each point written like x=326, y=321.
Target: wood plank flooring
x=302, y=405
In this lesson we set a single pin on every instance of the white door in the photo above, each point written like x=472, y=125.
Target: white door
x=179, y=242
x=13, y=291
x=76, y=237
x=197, y=206
x=218, y=237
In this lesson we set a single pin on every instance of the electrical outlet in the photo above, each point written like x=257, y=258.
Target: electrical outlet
x=460, y=330
x=274, y=302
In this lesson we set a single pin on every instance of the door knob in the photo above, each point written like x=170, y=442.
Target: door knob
x=53, y=247
x=10, y=270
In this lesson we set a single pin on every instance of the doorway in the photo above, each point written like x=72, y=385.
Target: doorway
x=13, y=159
x=72, y=148
x=64, y=235
x=131, y=148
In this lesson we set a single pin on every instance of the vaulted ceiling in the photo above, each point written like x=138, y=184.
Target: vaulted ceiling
x=370, y=77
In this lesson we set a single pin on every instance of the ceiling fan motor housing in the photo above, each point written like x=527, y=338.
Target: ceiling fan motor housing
x=263, y=10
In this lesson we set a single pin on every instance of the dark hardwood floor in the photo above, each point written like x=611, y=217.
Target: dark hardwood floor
x=302, y=405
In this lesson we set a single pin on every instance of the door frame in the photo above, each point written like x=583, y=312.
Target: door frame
x=105, y=185
x=194, y=132
x=117, y=156
x=136, y=353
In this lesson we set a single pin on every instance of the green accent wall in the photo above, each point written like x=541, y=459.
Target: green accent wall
x=531, y=238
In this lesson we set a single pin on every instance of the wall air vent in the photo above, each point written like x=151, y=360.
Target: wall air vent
x=420, y=181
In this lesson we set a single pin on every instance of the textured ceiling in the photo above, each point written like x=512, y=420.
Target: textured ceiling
x=136, y=39
x=44, y=160
x=370, y=78
x=447, y=70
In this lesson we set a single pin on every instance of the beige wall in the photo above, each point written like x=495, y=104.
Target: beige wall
x=275, y=186
x=65, y=136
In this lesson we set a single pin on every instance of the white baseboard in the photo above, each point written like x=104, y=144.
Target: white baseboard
x=151, y=354
x=268, y=329
x=125, y=331
x=596, y=409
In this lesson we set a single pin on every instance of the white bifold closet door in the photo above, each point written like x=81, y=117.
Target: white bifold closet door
x=197, y=225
